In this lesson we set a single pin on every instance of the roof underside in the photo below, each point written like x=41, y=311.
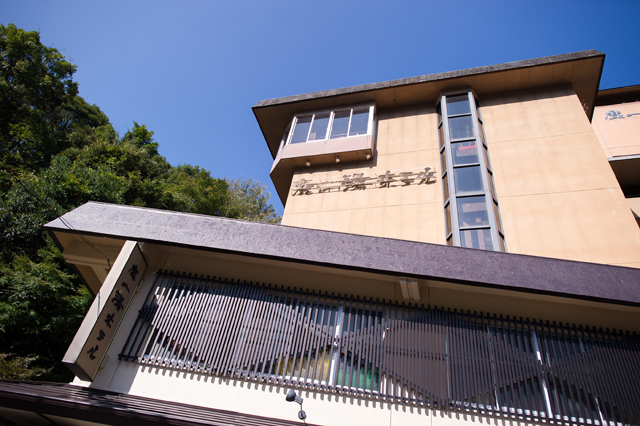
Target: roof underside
x=339, y=251
x=581, y=69
x=618, y=95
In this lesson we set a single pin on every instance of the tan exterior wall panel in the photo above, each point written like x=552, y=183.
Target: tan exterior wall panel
x=407, y=139
x=557, y=193
x=619, y=136
x=558, y=196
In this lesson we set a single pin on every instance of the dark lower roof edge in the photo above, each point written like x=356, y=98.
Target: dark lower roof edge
x=526, y=63
x=618, y=95
x=513, y=272
x=104, y=407
x=366, y=270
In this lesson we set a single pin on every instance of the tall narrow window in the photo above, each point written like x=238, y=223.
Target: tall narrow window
x=471, y=206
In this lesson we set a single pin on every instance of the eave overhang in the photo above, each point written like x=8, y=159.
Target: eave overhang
x=341, y=251
x=581, y=69
x=618, y=95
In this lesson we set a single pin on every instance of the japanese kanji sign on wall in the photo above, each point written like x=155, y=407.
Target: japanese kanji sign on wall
x=90, y=344
x=359, y=181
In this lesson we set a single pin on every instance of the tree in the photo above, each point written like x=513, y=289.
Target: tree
x=35, y=84
x=248, y=200
x=140, y=137
x=41, y=308
x=57, y=152
x=194, y=190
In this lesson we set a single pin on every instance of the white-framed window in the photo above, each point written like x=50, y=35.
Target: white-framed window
x=331, y=124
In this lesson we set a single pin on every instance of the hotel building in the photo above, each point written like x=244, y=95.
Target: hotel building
x=455, y=248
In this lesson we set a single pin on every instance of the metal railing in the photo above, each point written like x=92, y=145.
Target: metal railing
x=440, y=358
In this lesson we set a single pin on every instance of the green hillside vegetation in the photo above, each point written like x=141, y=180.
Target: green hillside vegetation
x=58, y=152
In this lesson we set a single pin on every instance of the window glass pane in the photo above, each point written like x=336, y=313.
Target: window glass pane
x=438, y=109
x=353, y=369
x=468, y=179
x=476, y=238
x=302, y=367
x=472, y=211
x=359, y=122
x=355, y=373
x=441, y=134
x=443, y=160
x=465, y=153
x=458, y=105
x=302, y=129
x=461, y=127
x=319, y=127
x=340, y=125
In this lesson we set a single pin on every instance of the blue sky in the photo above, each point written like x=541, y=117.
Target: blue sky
x=192, y=70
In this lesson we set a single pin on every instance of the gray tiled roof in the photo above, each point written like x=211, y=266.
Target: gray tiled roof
x=506, y=271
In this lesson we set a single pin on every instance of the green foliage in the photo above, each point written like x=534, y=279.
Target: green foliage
x=248, y=200
x=20, y=368
x=57, y=152
x=195, y=191
x=35, y=84
x=33, y=200
x=140, y=137
x=42, y=304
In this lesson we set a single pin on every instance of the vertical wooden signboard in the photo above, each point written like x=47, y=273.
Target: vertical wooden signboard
x=90, y=344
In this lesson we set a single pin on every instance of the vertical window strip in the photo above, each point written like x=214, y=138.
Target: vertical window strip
x=454, y=360
x=468, y=174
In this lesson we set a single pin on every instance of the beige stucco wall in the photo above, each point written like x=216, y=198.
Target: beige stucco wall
x=558, y=196
x=407, y=139
x=619, y=137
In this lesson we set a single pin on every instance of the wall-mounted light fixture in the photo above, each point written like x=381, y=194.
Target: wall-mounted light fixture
x=292, y=397
x=308, y=163
x=337, y=159
x=368, y=157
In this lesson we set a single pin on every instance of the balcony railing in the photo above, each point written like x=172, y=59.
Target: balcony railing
x=467, y=361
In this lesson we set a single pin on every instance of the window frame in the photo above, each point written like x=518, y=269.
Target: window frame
x=290, y=130
x=451, y=193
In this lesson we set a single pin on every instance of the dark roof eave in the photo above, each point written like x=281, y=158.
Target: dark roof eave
x=588, y=281
x=274, y=114
x=527, y=63
x=617, y=95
